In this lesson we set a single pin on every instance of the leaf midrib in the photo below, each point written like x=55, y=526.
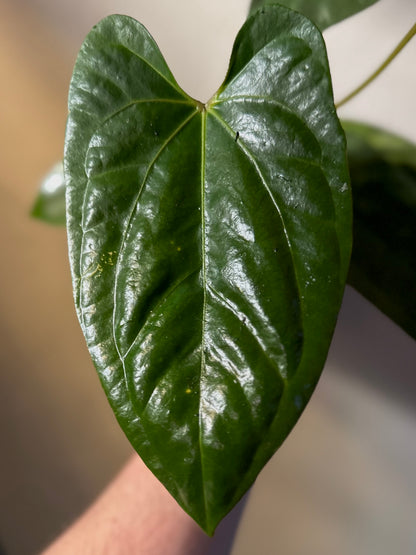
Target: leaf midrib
x=204, y=305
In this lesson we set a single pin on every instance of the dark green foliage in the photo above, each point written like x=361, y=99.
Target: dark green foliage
x=323, y=13
x=209, y=246
x=383, y=263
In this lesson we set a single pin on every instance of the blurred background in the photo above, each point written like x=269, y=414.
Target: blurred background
x=344, y=481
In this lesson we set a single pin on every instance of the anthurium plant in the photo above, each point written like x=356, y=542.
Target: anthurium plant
x=210, y=243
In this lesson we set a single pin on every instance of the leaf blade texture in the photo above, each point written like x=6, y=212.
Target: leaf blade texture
x=207, y=244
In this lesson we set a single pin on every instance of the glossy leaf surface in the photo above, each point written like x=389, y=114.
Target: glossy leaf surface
x=383, y=176
x=209, y=246
x=323, y=13
x=383, y=262
x=49, y=205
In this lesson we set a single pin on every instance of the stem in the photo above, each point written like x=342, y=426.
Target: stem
x=383, y=66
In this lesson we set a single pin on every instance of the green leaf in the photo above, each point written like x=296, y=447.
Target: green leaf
x=323, y=13
x=49, y=205
x=383, y=263
x=209, y=246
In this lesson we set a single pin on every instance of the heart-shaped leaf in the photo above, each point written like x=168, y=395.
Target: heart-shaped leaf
x=209, y=246
x=323, y=13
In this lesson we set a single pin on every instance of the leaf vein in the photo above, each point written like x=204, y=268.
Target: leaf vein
x=130, y=219
x=160, y=302
x=273, y=102
x=110, y=171
x=137, y=55
x=146, y=101
x=252, y=160
x=227, y=305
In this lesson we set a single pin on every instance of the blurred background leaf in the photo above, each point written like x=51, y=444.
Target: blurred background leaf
x=383, y=262
x=49, y=205
x=323, y=13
